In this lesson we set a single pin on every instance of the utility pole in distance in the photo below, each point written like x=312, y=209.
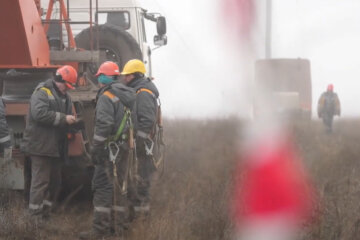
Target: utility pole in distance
x=268, y=29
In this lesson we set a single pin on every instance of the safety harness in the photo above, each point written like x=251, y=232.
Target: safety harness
x=157, y=148
x=113, y=142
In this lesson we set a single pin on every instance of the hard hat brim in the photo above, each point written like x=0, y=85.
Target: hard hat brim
x=116, y=74
x=69, y=86
x=124, y=73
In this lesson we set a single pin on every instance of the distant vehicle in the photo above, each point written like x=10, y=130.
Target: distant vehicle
x=287, y=82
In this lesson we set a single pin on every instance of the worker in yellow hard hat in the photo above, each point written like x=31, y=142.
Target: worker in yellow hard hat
x=146, y=110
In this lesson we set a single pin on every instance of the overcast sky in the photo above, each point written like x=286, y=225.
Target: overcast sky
x=199, y=73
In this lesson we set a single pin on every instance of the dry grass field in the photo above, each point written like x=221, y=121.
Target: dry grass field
x=190, y=201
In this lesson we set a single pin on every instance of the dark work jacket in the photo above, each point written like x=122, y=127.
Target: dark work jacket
x=46, y=132
x=110, y=108
x=329, y=104
x=145, y=110
x=5, y=139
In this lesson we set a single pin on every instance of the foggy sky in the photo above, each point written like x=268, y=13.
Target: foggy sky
x=200, y=75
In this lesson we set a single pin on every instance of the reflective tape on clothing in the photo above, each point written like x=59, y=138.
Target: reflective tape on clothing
x=142, y=134
x=146, y=90
x=102, y=209
x=47, y=203
x=99, y=138
x=49, y=93
x=142, y=208
x=35, y=206
x=57, y=119
x=119, y=209
x=115, y=99
x=5, y=139
x=111, y=96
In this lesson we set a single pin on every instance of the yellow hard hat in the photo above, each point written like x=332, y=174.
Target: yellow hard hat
x=134, y=66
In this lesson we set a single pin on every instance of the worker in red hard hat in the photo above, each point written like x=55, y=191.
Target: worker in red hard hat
x=330, y=88
x=328, y=107
x=49, y=119
x=109, y=69
x=109, y=153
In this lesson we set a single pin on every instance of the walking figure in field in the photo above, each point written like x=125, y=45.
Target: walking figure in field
x=328, y=107
x=111, y=145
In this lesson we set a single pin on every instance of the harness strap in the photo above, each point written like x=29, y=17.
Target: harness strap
x=142, y=134
x=120, y=130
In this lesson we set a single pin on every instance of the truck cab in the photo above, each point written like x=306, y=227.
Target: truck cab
x=126, y=15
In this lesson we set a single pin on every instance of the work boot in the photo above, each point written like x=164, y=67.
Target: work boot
x=92, y=234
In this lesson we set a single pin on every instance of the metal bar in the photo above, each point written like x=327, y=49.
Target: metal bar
x=61, y=29
x=91, y=29
x=67, y=25
x=48, y=14
x=68, y=8
x=74, y=56
x=66, y=21
x=268, y=29
x=38, y=6
x=97, y=25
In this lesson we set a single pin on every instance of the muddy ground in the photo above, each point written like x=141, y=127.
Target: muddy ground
x=190, y=201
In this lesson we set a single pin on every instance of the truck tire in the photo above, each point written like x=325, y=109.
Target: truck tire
x=119, y=46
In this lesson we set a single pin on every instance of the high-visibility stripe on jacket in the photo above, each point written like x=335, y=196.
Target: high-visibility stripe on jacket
x=146, y=107
x=110, y=109
x=46, y=131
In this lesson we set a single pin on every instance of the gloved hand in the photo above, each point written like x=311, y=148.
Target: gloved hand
x=8, y=154
x=77, y=126
x=99, y=154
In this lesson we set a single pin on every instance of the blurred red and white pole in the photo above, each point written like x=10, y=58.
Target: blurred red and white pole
x=272, y=195
x=239, y=15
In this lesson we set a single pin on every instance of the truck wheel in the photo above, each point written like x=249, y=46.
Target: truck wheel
x=117, y=44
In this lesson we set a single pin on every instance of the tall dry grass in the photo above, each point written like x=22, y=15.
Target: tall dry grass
x=333, y=161
x=190, y=201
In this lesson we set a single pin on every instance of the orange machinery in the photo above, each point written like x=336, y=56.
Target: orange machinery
x=24, y=62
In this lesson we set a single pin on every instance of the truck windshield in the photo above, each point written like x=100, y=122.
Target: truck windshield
x=118, y=18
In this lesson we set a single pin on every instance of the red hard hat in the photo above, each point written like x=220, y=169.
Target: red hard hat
x=108, y=68
x=330, y=87
x=68, y=74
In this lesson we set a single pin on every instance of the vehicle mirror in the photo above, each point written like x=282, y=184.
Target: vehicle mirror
x=160, y=40
x=161, y=25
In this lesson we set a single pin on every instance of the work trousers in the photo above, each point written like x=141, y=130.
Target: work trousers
x=110, y=201
x=328, y=121
x=45, y=184
x=141, y=200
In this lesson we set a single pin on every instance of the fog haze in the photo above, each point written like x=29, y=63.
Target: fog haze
x=200, y=74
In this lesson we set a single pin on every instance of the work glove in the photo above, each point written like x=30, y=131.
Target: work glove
x=99, y=154
x=77, y=126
